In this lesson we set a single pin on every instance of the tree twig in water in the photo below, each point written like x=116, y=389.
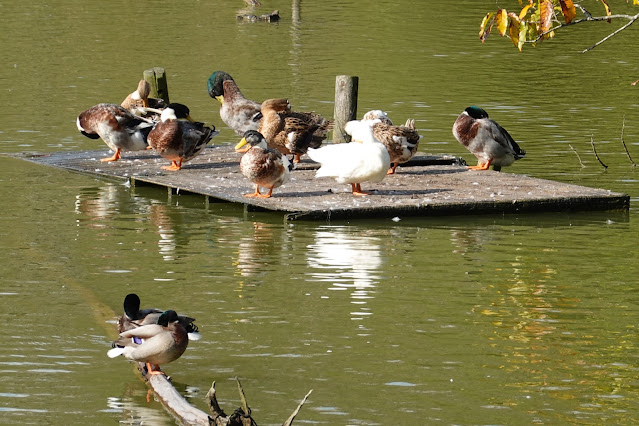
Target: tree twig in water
x=578, y=156
x=623, y=126
x=592, y=142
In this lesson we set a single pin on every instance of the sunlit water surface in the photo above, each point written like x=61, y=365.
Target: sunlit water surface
x=459, y=320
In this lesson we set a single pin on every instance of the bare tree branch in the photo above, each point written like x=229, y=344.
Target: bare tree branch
x=589, y=18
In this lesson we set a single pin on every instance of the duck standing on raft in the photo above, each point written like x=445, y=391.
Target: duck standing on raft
x=365, y=159
x=486, y=140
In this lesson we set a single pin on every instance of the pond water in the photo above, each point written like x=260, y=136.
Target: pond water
x=513, y=319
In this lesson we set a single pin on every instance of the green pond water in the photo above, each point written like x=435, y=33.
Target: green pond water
x=517, y=319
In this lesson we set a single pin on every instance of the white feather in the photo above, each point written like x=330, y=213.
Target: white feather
x=112, y=353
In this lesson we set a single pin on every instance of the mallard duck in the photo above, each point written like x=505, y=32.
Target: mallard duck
x=134, y=317
x=401, y=141
x=291, y=132
x=138, y=102
x=118, y=128
x=487, y=140
x=237, y=112
x=365, y=159
x=177, y=140
x=262, y=165
x=153, y=344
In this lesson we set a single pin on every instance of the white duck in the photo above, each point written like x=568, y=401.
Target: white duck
x=365, y=159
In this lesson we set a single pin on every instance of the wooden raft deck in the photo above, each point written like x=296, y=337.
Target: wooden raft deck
x=426, y=186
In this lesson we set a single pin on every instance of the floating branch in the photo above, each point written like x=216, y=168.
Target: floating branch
x=592, y=142
x=186, y=414
x=623, y=126
x=578, y=156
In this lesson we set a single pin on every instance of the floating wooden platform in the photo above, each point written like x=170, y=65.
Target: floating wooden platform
x=426, y=186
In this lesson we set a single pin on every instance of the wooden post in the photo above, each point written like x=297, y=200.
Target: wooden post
x=345, y=105
x=156, y=77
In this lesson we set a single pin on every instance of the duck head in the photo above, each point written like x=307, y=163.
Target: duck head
x=216, y=84
x=251, y=138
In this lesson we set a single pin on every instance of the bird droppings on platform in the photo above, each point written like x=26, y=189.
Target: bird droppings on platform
x=429, y=185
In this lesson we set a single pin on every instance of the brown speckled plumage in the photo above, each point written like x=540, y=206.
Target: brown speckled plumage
x=291, y=132
x=118, y=128
x=264, y=166
x=177, y=140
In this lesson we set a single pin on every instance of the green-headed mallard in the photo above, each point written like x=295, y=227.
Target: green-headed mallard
x=177, y=140
x=262, y=165
x=486, y=140
x=237, y=112
x=365, y=159
x=291, y=132
x=118, y=128
x=153, y=344
x=134, y=317
x=401, y=141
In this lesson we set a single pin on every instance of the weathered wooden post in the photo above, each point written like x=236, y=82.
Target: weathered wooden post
x=156, y=77
x=346, y=87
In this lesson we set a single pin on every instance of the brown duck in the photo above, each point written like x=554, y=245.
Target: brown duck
x=263, y=166
x=401, y=141
x=291, y=132
x=177, y=140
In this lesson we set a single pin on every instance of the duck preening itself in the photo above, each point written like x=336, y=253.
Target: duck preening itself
x=119, y=129
x=154, y=344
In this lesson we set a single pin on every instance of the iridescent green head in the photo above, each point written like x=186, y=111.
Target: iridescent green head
x=476, y=112
x=215, y=83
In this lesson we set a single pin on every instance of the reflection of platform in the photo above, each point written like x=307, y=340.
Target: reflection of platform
x=426, y=186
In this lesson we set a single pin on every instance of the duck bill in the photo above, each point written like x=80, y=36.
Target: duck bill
x=240, y=146
x=220, y=99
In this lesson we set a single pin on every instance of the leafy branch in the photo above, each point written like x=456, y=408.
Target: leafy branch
x=534, y=23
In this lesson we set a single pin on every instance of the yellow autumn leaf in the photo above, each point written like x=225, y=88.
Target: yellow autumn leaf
x=485, y=27
x=569, y=11
x=513, y=29
x=608, y=13
x=545, y=16
x=502, y=21
x=524, y=11
x=635, y=2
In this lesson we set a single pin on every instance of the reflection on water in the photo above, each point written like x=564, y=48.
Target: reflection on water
x=349, y=260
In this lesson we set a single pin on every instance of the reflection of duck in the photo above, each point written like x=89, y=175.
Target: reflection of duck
x=153, y=344
x=400, y=141
x=486, y=140
x=237, y=112
x=177, y=140
x=346, y=259
x=291, y=132
x=133, y=317
x=262, y=165
x=365, y=160
x=118, y=128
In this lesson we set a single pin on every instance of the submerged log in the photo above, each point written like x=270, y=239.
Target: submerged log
x=186, y=414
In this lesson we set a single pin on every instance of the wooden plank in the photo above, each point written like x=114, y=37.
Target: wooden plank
x=429, y=185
